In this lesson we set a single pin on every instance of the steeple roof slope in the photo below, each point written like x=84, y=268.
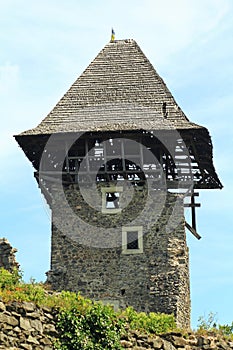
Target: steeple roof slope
x=119, y=90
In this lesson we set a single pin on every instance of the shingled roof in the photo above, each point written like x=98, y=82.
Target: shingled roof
x=119, y=90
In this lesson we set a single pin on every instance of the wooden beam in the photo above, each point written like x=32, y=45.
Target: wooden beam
x=192, y=205
x=189, y=194
x=193, y=212
x=192, y=230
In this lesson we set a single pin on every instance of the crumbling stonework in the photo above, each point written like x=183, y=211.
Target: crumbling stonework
x=155, y=280
x=7, y=255
x=174, y=341
x=25, y=326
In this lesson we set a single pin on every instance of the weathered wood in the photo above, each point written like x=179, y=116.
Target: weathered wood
x=192, y=205
x=97, y=105
x=192, y=230
x=189, y=194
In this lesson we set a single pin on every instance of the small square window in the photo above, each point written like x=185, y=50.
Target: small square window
x=111, y=199
x=132, y=242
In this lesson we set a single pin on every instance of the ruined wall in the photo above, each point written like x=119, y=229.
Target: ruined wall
x=87, y=253
x=26, y=326
x=7, y=255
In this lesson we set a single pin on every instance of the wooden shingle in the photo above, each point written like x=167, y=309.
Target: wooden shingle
x=119, y=90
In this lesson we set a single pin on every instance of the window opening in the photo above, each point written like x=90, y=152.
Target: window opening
x=132, y=240
x=112, y=200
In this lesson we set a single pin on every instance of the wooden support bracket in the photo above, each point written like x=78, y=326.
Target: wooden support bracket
x=192, y=230
x=193, y=206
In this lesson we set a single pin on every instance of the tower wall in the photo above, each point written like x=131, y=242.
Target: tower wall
x=91, y=132
x=87, y=253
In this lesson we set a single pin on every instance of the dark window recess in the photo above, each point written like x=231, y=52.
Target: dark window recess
x=164, y=108
x=132, y=240
x=112, y=200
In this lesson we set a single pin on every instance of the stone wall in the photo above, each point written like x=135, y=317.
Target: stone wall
x=7, y=255
x=87, y=253
x=175, y=341
x=25, y=326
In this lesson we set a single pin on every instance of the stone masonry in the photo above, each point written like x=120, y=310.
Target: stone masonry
x=25, y=326
x=135, y=253
x=88, y=260
x=7, y=255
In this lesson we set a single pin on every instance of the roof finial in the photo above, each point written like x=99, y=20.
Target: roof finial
x=113, y=35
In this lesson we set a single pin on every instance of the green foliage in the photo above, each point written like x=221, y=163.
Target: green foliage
x=90, y=326
x=38, y=294
x=9, y=280
x=81, y=323
x=30, y=292
x=96, y=327
x=13, y=288
x=85, y=325
x=207, y=323
x=226, y=329
x=151, y=323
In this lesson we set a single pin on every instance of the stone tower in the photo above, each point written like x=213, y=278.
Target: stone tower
x=115, y=159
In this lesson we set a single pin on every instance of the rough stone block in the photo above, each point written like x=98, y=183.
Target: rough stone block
x=12, y=321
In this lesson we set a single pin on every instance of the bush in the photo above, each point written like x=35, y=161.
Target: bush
x=9, y=280
x=81, y=323
x=226, y=329
x=151, y=323
x=95, y=329
x=97, y=326
x=209, y=324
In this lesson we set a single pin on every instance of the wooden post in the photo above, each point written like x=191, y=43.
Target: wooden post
x=193, y=211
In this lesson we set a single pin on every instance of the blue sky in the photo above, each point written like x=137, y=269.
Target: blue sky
x=46, y=45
